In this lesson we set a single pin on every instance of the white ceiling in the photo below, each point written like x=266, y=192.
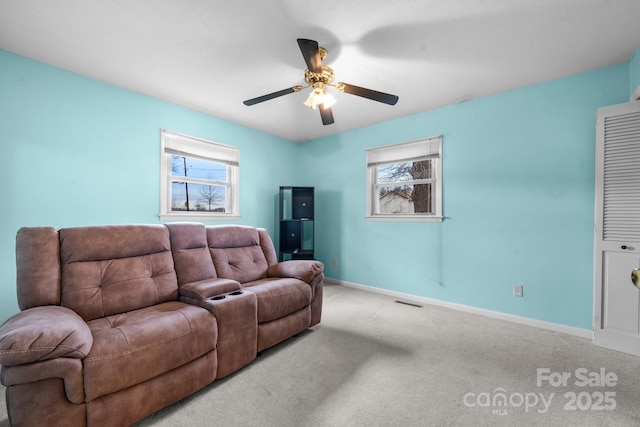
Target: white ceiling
x=210, y=55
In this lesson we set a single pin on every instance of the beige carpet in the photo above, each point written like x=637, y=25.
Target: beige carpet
x=374, y=362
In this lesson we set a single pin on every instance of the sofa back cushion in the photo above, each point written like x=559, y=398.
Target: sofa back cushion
x=267, y=247
x=190, y=252
x=237, y=253
x=38, y=267
x=113, y=269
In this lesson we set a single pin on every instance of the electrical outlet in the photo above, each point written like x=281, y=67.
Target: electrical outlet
x=517, y=290
x=335, y=262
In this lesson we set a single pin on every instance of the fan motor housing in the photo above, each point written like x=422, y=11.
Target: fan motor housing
x=325, y=77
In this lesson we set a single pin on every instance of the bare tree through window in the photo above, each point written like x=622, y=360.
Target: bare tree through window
x=211, y=195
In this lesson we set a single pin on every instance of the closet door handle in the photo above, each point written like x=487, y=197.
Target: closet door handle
x=624, y=247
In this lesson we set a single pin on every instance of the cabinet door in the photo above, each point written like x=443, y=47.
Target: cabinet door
x=617, y=228
x=617, y=320
x=620, y=296
x=290, y=236
x=302, y=202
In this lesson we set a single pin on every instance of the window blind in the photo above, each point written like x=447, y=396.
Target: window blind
x=413, y=151
x=182, y=145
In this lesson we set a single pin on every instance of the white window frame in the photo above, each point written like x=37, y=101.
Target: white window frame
x=174, y=143
x=422, y=149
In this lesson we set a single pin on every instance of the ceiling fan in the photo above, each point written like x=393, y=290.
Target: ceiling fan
x=319, y=77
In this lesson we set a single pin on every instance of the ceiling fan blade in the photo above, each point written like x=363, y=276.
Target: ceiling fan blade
x=385, y=98
x=272, y=95
x=311, y=54
x=326, y=114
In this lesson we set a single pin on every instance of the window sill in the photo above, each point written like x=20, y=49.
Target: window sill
x=198, y=217
x=405, y=218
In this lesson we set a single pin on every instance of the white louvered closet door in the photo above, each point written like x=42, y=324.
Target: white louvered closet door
x=616, y=320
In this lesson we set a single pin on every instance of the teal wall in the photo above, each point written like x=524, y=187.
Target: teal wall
x=634, y=72
x=518, y=183
x=518, y=200
x=76, y=151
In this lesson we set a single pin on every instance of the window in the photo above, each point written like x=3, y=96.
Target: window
x=199, y=178
x=404, y=181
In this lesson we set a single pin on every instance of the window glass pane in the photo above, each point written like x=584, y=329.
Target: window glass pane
x=406, y=171
x=187, y=196
x=197, y=168
x=396, y=199
x=405, y=199
x=422, y=169
x=307, y=232
x=423, y=198
x=287, y=204
x=394, y=173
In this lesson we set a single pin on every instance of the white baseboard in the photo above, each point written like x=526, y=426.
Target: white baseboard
x=556, y=327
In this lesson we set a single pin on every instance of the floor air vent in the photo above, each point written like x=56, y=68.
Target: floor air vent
x=412, y=304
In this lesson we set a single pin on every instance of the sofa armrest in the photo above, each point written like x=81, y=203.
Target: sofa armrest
x=42, y=333
x=204, y=289
x=305, y=270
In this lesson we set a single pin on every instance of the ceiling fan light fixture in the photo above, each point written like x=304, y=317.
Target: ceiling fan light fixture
x=319, y=76
x=319, y=95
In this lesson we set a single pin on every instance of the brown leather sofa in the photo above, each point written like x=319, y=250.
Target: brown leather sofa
x=120, y=321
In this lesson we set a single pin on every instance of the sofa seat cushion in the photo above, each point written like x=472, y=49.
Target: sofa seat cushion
x=279, y=297
x=133, y=347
